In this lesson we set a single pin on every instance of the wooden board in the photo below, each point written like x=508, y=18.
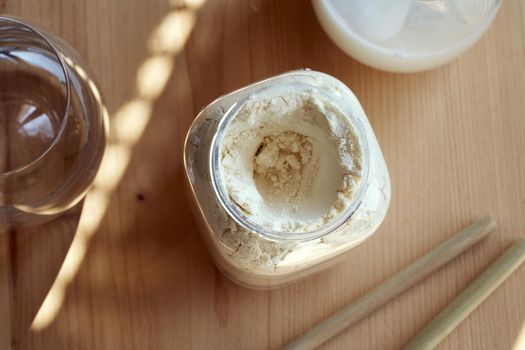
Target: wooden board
x=453, y=139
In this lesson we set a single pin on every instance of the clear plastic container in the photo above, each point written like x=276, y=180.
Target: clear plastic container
x=405, y=35
x=249, y=253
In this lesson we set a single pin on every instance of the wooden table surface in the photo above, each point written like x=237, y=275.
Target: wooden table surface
x=130, y=272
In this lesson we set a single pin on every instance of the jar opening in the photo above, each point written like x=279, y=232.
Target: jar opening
x=283, y=145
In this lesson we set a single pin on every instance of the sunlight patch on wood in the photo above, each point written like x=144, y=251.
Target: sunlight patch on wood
x=153, y=76
x=128, y=125
x=520, y=341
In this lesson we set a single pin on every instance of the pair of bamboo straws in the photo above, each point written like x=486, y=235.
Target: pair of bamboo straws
x=448, y=318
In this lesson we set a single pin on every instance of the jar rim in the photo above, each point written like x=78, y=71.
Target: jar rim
x=274, y=235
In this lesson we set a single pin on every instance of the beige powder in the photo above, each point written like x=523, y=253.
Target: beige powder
x=290, y=162
x=285, y=168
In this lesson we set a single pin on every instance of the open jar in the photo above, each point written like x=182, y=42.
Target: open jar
x=287, y=175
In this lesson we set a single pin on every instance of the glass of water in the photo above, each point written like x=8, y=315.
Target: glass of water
x=53, y=125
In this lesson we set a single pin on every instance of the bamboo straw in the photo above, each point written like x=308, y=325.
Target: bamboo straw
x=394, y=286
x=450, y=317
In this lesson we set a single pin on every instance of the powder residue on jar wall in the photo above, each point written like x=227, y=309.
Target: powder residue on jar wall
x=255, y=160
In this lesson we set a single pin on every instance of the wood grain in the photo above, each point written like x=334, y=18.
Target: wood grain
x=392, y=287
x=453, y=139
x=470, y=298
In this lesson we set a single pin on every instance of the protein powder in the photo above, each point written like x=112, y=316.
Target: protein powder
x=291, y=161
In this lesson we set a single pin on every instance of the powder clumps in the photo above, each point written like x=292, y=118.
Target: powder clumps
x=247, y=248
x=290, y=161
x=284, y=169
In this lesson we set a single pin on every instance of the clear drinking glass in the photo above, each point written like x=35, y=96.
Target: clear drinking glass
x=53, y=125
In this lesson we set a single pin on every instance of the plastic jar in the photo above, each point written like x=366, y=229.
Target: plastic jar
x=249, y=253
